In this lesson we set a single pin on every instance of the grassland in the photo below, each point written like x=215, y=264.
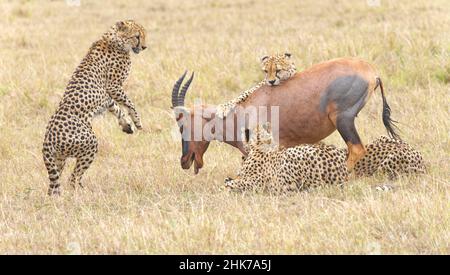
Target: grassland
x=137, y=198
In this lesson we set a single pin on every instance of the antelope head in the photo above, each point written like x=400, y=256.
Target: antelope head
x=191, y=123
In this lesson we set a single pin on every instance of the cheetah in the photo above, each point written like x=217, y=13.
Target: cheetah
x=391, y=157
x=277, y=68
x=270, y=168
x=95, y=86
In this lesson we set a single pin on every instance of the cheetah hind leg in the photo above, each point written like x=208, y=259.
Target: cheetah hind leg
x=390, y=167
x=82, y=164
x=54, y=168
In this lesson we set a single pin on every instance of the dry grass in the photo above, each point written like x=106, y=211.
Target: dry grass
x=138, y=199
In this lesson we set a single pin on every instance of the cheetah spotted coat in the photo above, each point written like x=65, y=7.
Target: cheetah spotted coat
x=268, y=168
x=95, y=86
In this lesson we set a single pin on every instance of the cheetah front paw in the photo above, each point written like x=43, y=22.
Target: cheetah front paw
x=128, y=129
x=228, y=182
x=127, y=125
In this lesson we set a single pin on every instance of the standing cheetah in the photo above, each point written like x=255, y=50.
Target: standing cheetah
x=95, y=86
x=279, y=170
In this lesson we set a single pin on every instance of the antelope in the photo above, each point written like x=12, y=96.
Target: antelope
x=311, y=105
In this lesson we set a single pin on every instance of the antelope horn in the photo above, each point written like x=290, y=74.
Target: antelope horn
x=176, y=88
x=184, y=90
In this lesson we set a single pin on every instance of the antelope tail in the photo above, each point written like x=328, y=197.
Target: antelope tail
x=388, y=122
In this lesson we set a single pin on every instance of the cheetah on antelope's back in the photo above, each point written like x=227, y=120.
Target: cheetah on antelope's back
x=277, y=68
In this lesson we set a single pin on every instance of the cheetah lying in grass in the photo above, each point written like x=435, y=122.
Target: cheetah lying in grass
x=278, y=170
x=390, y=157
x=277, y=68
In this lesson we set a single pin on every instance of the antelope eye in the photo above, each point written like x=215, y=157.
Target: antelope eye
x=265, y=71
x=278, y=71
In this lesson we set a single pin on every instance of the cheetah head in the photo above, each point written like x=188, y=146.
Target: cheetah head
x=260, y=139
x=277, y=68
x=127, y=35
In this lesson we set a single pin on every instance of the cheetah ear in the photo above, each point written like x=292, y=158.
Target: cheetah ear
x=264, y=58
x=257, y=134
x=121, y=26
x=247, y=135
x=267, y=127
x=288, y=55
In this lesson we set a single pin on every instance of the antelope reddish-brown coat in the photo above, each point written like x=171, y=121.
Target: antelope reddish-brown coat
x=312, y=104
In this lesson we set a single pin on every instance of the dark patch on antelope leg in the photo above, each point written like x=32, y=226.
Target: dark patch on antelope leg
x=347, y=92
x=348, y=104
x=346, y=127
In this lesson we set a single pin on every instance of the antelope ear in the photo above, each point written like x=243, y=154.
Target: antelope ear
x=180, y=109
x=121, y=26
x=287, y=55
x=264, y=58
x=180, y=113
